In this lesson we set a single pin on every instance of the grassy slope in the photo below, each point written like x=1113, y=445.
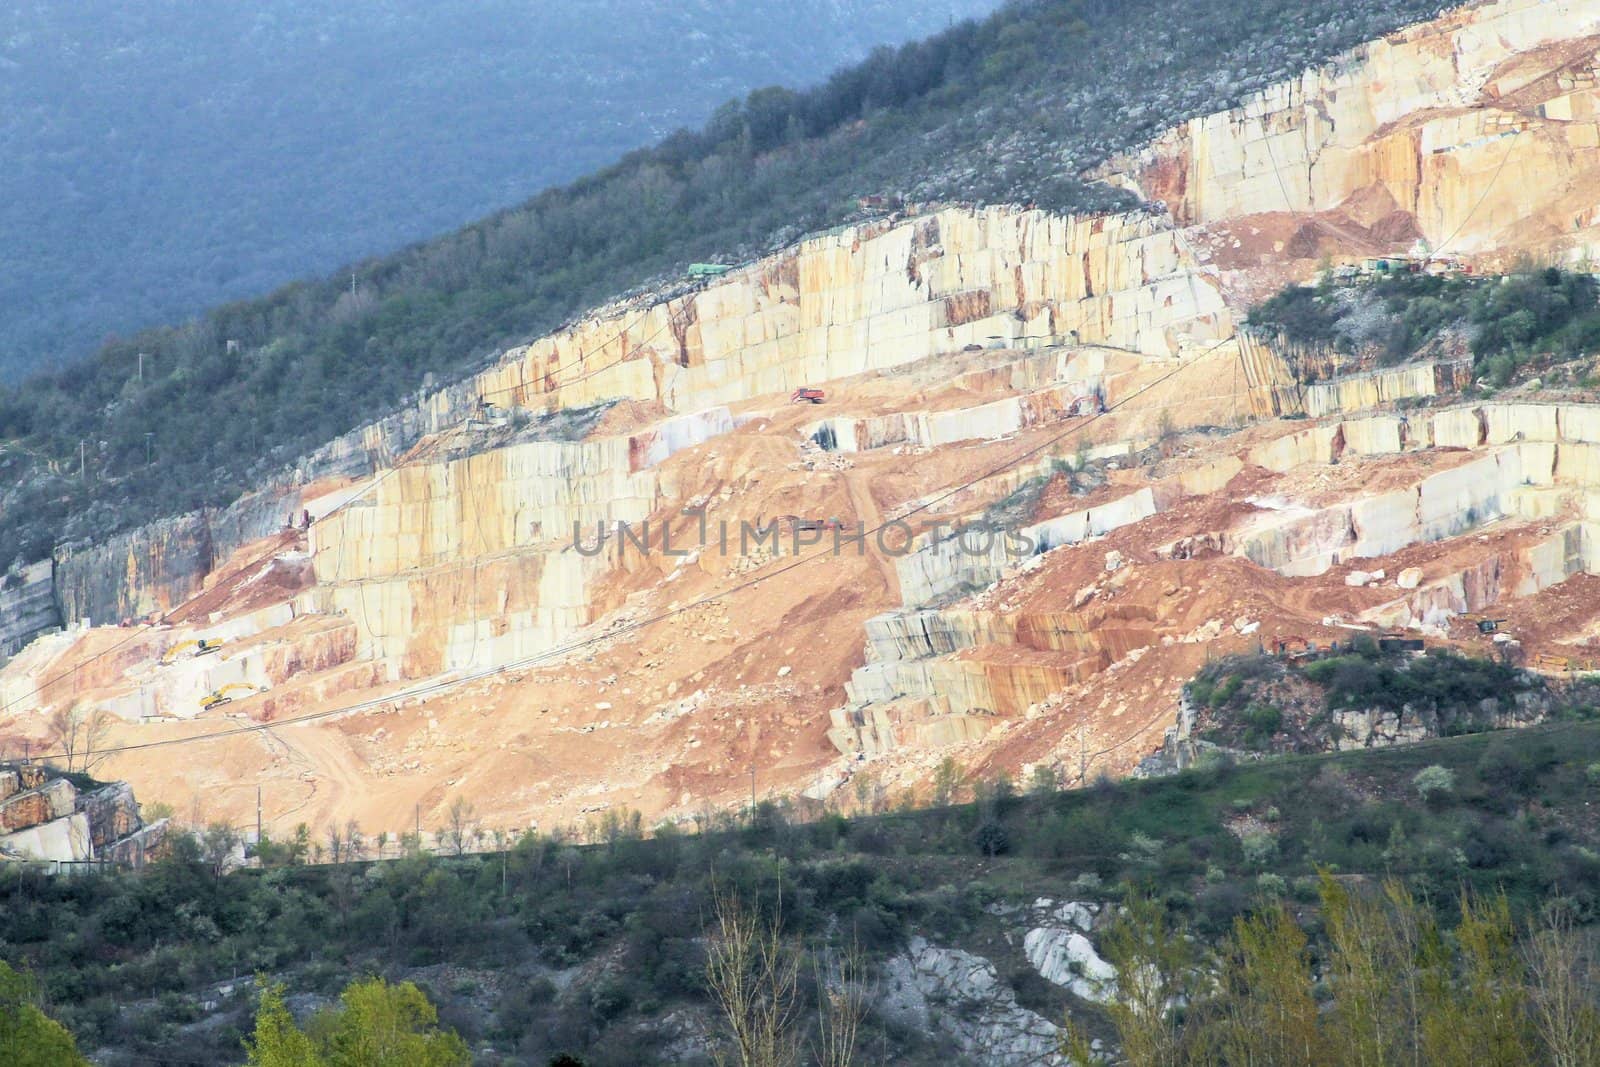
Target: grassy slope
x=1009, y=109
x=122, y=957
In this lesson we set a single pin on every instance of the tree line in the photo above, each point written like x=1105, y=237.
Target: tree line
x=1384, y=982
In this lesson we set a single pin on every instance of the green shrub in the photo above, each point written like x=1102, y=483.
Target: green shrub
x=1434, y=782
x=1259, y=848
x=1262, y=723
x=1143, y=848
x=991, y=838
x=1511, y=318
x=1454, y=684
x=1514, y=768
x=1086, y=884
x=1223, y=694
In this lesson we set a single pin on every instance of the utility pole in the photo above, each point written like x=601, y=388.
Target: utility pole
x=83, y=460
x=752, y=771
x=1083, y=755
x=149, y=444
x=258, y=821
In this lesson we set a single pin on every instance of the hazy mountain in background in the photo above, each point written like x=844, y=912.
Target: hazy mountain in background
x=162, y=157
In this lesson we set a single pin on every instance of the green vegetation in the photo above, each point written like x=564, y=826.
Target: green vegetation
x=1398, y=985
x=126, y=959
x=1505, y=321
x=1266, y=703
x=1442, y=679
x=1434, y=782
x=1008, y=109
x=375, y=1024
x=29, y=1037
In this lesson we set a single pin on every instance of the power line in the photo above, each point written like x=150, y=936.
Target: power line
x=526, y=663
x=1493, y=181
x=1266, y=142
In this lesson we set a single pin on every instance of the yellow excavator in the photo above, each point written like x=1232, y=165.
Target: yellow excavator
x=202, y=647
x=218, y=697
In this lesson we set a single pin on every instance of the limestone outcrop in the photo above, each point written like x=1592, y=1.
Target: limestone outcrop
x=27, y=607
x=959, y=993
x=153, y=569
x=1476, y=131
x=45, y=817
x=878, y=296
x=1061, y=950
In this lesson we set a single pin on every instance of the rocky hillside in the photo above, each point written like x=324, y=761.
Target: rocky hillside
x=613, y=568
x=1007, y=110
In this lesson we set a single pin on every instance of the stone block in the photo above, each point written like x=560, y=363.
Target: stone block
x=54, y=800
x=60, y=840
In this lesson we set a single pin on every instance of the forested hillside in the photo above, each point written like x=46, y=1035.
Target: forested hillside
x=158, y=162
x=1007, y=109
x=597, y=948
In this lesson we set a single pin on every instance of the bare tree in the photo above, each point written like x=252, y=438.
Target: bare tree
x=79, y=732
x=460, y=828
x=753, y=975
x=218, y=843
x=842, y=999
x=62, y=730
x=1562, y=976
x=355, y=842
x=1266, y=1008
x=1157, y=968
x=624, y=825
x=1372, y=980
x=946, y=782
x=353, y=305
x=335, y=843
x=96, y=726
x=569, y=858
x=195, y=340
